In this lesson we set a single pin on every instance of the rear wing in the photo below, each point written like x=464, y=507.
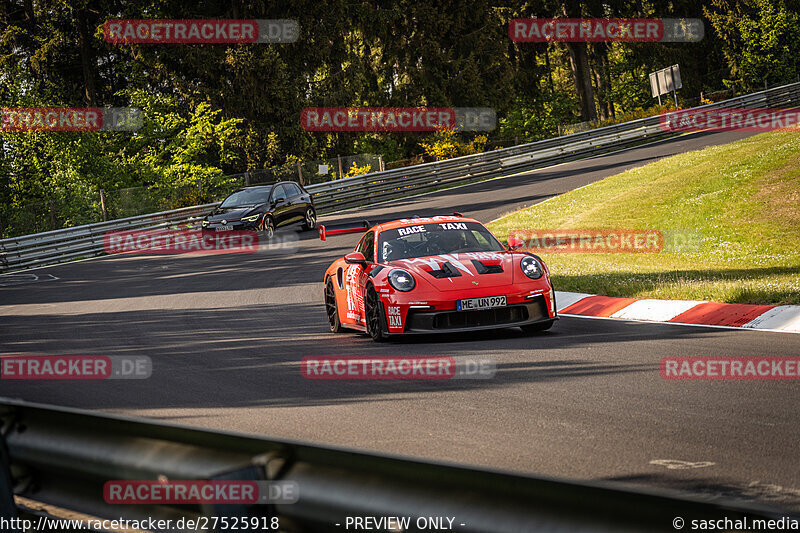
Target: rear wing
x=341, y=229
x=356, y=227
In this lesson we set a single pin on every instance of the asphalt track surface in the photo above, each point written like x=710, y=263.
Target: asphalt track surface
x=584, y=401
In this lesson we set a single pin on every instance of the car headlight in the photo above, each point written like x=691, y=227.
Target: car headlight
x=531, y=267
x=401, y=280
x=251, y=218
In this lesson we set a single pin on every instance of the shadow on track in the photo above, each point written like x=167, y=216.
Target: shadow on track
x=250, y=356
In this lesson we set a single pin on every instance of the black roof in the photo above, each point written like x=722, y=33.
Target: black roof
x=265, y=185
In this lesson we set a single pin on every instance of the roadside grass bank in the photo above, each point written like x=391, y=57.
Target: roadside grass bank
x=741, y=201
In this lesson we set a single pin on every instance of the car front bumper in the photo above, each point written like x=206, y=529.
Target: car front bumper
x=235, y=226
x=521, y=314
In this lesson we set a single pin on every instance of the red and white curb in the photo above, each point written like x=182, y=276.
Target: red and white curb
x=781, y=318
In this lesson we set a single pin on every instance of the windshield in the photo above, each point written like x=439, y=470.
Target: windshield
x=435, y=239
x=246, y=198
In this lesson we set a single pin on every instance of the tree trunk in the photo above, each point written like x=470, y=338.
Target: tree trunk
x=579, y=61
x=607, y=81
x=582, y=76
x=602, y=79
x=87, y=58
x=596, y=77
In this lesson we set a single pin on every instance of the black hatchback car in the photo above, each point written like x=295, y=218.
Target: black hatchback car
x=264, y=208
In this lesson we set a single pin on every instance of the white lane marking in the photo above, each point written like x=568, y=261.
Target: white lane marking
x=582, y=160
x=677, y=464
x=11, y=280
x=501, y=217
x=521, y=172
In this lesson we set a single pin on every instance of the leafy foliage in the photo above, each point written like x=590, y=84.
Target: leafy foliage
x=356, y=170
x=761, y=39
x=446, y=144
x=211, y=110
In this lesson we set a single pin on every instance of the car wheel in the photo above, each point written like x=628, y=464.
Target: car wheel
x=310, y=219
x=330, y=306
x=373, y=308
x=268, y=227
x=530, y=329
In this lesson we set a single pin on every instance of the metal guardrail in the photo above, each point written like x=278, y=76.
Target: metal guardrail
x=62, y=457
x=377, y=187
x=84, y=241
x=394, y=184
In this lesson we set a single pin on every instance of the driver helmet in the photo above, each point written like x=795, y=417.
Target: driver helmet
x=450, y=240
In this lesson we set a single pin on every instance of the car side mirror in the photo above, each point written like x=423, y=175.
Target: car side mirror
x=355, y=258
x=515, y=243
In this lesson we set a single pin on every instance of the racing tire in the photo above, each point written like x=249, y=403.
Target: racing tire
x=330, y=307
x=376, y=321
x=310, y=219
x=532, y=329
x=267, y=228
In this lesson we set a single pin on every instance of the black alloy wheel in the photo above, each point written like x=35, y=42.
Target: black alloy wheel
x=330, y=306
x=374, y=311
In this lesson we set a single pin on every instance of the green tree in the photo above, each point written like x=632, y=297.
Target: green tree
x=760, y=39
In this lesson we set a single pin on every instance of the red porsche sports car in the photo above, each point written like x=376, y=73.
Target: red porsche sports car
x=437, y=274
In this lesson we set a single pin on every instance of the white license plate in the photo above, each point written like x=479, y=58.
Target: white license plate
x=487, y=302
x=224, y=228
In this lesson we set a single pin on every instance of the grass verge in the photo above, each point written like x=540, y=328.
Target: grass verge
x=742, y=198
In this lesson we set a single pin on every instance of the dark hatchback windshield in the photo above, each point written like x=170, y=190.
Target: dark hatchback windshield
x=435, y=239
x=246, y=197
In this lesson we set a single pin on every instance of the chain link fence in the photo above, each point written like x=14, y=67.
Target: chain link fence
x=97, y=206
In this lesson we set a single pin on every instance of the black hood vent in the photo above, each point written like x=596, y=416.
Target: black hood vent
x=487, y=269
x=446, y=271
